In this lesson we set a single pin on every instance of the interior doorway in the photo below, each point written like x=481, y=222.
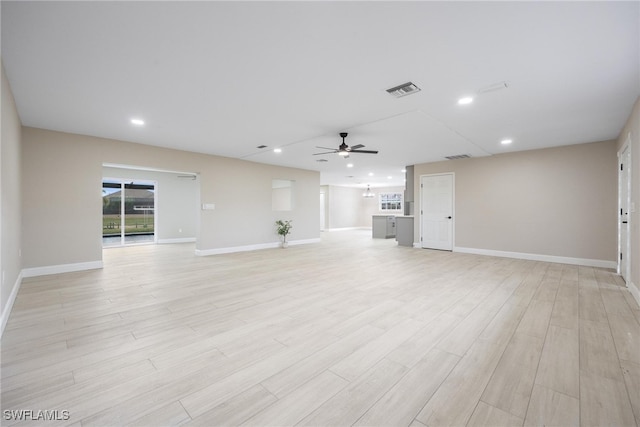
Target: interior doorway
x=624, y=206
x=128, y=212
x=323, y=207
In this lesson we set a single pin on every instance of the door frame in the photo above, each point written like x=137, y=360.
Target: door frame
x=453, y=206
x=625, y=151
x=323, y=210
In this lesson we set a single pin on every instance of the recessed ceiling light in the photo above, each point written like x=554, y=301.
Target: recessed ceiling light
x=389, y=177
x=403, y=171
x=349, y=165
x=137, y=122
x=466, y=100
x=370, y=173
x=277, y=150
x=506, y=141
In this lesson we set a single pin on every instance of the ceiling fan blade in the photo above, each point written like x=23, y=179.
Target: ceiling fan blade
x=327, y=148
x=355, y=147
x=328, y=152
x=364, y=151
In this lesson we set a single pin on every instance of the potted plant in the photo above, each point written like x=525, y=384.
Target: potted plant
x=284, y=228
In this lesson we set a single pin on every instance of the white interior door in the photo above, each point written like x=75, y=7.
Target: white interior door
x=623, y=210
x=436, y=211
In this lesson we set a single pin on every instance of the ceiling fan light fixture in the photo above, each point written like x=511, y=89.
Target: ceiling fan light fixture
x=344, y=150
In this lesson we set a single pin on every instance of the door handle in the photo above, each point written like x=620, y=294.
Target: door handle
x=624, y=222
x=448, y=217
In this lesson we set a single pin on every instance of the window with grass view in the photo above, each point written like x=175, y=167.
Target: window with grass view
x=128, y=212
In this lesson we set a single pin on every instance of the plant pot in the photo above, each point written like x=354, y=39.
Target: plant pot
x=284, y=245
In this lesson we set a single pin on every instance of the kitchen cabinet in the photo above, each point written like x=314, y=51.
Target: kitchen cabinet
x=384, y=226
x=404, y=230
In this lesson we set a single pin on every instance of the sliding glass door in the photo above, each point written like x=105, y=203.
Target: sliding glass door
x=128, y=212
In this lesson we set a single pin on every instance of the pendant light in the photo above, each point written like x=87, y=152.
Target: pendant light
x=368, y=194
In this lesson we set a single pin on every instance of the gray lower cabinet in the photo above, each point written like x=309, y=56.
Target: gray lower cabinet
x=384, y=226
x=404, y=230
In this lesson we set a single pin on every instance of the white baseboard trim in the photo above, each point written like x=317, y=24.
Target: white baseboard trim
x=539, y=257
x=62, y=268
x=347, y=229
x=6, y=310
x=259, y=246
x=303, y=242
x=178, y=240
x=634, y=291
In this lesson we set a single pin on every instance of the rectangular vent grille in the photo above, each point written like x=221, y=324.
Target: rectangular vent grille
x=322, y=160
x=494, y=87
x=403, y=90
x=459, y=156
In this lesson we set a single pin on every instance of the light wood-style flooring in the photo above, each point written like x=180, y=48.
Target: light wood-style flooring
x=349, y=331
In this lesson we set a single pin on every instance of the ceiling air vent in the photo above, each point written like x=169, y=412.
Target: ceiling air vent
x=322, y=160
x=403, y=90
x=494, y=87
x=459, y=156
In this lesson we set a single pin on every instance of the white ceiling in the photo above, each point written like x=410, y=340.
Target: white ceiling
x=224, y=77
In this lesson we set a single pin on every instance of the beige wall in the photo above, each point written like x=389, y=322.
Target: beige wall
x=10, y=200
x=177, y=207
x=633, y=127
x=557, y=202
x=343, y=206
x=62, y=207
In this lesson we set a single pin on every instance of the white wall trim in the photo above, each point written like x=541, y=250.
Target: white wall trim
x=272, y=245
x=634, y=291
x=6, y=310
x=177, y=240
x=347, y=228
x=540, y=257
x=62, y=268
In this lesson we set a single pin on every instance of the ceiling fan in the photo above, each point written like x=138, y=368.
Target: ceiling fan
x=344, y=150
